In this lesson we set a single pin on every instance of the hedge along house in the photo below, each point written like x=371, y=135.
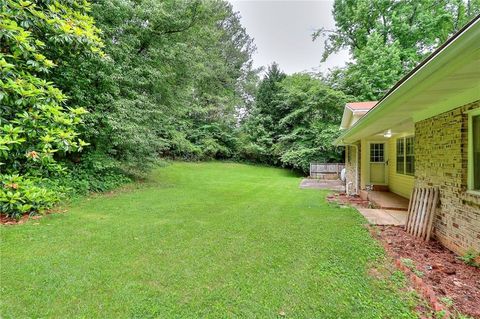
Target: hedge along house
x=425, y=132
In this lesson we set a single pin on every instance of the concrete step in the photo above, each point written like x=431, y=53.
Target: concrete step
x=387, y=200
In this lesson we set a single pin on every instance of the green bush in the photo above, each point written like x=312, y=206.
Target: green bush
x=20, y=195
x=95, y=173
x=36, y=127
x=470, y=258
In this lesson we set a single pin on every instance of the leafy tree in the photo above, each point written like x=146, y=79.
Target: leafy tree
x=261, y=130
x=294, y=121
x=373, y=73
x=387, y=38
x=177, y=74
x=313, y=112
x=36, y=126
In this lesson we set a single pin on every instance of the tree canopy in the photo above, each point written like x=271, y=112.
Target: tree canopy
x=175, y=76
x=294, y=121
x=387, y=38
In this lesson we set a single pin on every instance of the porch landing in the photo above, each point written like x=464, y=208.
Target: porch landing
x=386, y=200
x=333, y=185
x=384, y=217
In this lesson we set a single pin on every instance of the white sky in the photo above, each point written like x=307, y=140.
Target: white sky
x=282, y=31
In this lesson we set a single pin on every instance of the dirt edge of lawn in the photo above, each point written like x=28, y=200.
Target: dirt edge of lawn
x=447, y=284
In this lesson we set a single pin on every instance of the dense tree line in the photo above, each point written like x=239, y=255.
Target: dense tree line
x=295, y=118
x=174, y=77
x=94, y=93
x=293, y=122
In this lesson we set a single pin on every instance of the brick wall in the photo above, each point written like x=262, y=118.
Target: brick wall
x=441, y=160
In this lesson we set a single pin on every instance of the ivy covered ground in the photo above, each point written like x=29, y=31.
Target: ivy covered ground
x=210, y=240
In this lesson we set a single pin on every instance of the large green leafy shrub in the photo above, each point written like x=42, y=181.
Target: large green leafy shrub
x=19, y=195
x=36, y=129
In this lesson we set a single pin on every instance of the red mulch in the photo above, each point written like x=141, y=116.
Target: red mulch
x=5, y=220
x=344, y=199
x=442, y=271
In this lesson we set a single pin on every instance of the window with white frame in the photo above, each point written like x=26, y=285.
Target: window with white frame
x=405, y=155
x=474, y=150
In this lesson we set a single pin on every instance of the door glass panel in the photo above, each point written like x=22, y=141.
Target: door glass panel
x=377, y=153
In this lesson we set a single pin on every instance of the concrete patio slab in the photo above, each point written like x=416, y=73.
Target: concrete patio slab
x=384, y=217
x=387, y=200
x=335, y=185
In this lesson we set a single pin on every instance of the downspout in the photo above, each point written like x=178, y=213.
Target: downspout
x=356, y=167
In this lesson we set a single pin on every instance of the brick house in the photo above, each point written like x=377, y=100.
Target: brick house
x=425, y=132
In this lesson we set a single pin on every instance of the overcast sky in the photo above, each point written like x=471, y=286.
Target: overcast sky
x=283, y=29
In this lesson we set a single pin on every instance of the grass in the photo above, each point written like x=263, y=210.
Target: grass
x=208, y=240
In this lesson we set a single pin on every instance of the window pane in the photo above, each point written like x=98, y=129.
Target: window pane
x=410, y=165
x=410, y=157
x=476, y=151
x=409, y=141
x=400, y=156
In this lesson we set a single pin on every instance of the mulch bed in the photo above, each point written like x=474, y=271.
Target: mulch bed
x=344, y=199
x=5, y=220
x=440, y=274
x=437, y=273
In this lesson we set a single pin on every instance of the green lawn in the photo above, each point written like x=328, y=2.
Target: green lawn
x=209, y=240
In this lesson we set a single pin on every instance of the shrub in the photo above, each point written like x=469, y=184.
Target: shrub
x=20, y=195
x=96, y=172
x=470, y=258
x=36, y=127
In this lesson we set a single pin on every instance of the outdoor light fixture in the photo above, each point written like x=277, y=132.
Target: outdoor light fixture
x=387, y=133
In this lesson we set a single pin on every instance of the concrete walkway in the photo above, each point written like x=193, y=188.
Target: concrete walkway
x=334, y=185
x=384, y=216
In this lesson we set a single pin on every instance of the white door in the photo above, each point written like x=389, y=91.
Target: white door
x=377, y=154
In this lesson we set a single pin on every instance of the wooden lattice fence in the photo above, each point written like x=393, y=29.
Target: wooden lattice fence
x=326, y=170
x=421, y=212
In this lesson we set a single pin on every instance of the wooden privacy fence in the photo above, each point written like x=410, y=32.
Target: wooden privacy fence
x=326, y=170
x=421, y=211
